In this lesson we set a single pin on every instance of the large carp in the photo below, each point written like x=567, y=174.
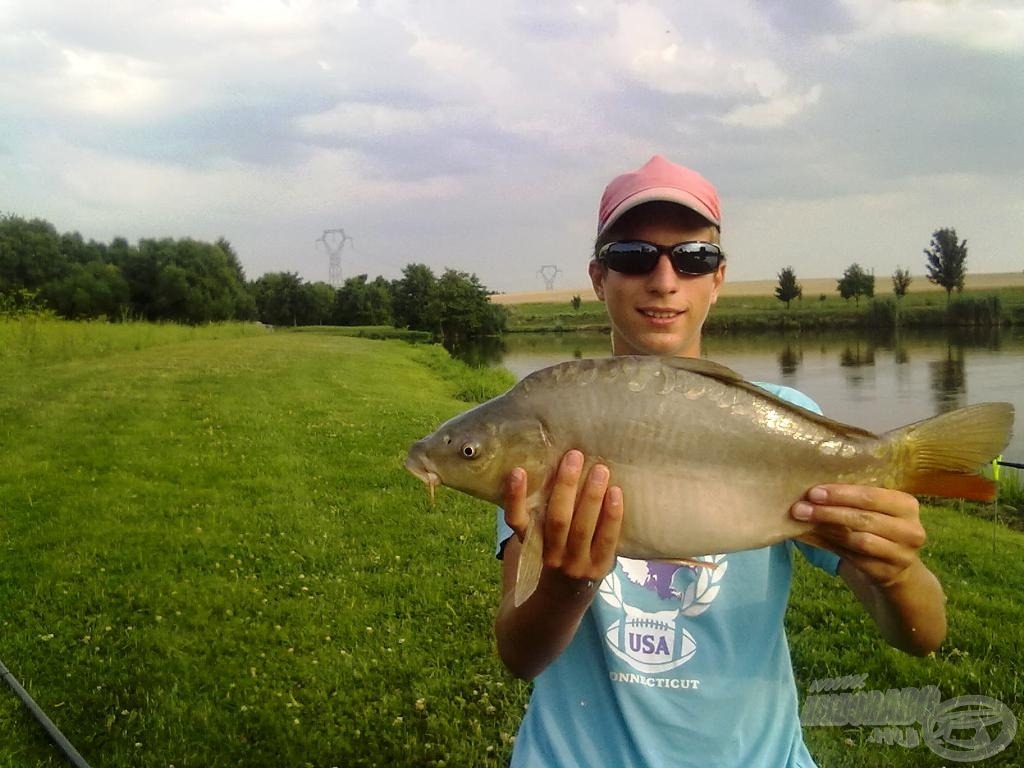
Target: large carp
x=707, y=462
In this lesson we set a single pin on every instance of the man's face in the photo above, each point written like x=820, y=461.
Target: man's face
x=662, y=312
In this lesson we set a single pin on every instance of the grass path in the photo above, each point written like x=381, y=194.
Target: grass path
x=210, y=555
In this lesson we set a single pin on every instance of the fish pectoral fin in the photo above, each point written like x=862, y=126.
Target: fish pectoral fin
x=687, y=561
x=531, y=561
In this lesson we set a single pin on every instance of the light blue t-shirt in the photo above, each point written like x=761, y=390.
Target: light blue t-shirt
x=676, y=666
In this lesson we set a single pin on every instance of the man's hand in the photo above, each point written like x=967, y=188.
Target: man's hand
x=582, y=521
x=877, y=533
x=581, y=533
x=876, y=530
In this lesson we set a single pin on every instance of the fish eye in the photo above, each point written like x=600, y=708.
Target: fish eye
x=470, y=450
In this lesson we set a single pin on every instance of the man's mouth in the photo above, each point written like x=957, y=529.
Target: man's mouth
x=661, y=314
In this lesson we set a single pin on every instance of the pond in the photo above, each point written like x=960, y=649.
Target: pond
x=873, y=381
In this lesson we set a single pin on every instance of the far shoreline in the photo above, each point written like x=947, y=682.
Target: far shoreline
x=812, y=287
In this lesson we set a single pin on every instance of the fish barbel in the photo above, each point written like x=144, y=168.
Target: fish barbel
x=707, y=462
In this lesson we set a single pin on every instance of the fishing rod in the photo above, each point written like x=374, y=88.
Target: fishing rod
x=1014, y=464
x=58, y=738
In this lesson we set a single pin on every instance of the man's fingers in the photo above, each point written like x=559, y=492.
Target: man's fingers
x=516, y=515
x=561, y=504
x=588, y=510
x=606, y=536
x=885, y=501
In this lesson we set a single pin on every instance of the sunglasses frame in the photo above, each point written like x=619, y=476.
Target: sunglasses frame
x=680, y=259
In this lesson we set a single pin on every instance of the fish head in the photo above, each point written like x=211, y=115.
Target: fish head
x=475, y=452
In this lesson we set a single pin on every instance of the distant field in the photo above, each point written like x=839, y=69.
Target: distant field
x=812, y=287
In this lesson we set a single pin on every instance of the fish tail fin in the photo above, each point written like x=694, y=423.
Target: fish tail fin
x=531, y=561
x=943, y=454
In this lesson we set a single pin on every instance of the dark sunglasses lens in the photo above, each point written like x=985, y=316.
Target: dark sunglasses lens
x=696, y=258
x=631, y=258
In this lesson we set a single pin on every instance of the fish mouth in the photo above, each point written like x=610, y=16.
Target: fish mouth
x=421, y=468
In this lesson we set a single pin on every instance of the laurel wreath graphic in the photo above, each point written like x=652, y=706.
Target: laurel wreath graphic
x=694, y=601
x=611, y=590
x=698, y=596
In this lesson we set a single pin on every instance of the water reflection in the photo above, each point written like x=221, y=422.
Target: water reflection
x=480, y=352
x=790, y=358
x=949, y=380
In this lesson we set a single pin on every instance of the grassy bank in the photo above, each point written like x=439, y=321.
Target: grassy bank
x=825, y=311
x=211, y=556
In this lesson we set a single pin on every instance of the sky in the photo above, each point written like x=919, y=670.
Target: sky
x=478, y=136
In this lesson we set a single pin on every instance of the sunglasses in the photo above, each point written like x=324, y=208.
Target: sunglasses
x=638, y=257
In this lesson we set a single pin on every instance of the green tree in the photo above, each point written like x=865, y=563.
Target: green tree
x=464, y=309
x=901, y=280
x=414, y=299
x=279, y=298
x=855, y=283
x=788, y=288
x=91, y=290
x=30, y=255
x=359, y=302
x=318, y=303
x=947, y=261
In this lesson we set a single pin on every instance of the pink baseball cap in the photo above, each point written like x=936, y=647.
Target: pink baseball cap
x=658, y=179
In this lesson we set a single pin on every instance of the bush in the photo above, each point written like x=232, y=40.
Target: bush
x=982, y=310
x=881, y=313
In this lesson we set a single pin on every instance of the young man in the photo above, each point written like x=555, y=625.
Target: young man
x=656, y=664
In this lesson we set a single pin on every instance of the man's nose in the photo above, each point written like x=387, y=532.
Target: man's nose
x=663, y=278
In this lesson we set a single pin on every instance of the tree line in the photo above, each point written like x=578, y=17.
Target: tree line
x=946, y=266
x=190, y=281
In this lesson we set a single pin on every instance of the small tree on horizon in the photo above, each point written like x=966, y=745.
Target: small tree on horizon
x=947, y=260
x=901, y=280
x=855, y=283
x=788, y=288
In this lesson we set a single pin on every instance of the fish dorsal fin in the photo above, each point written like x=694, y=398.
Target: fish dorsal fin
x=728, y=376
x=705, y=368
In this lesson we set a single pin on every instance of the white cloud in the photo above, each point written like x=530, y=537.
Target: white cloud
x=774, y=112
x=986, y=25
x=107, y=84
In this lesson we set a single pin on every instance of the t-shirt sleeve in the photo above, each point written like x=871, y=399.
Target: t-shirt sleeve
x=819, y=558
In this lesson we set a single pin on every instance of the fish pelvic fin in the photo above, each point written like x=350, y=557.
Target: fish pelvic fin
x=531, y=561
x=942, y=456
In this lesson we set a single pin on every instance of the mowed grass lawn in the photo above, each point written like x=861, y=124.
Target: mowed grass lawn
x=210, y=555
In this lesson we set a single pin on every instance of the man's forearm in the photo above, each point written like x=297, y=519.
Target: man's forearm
x=531, y=636
x=910, y=611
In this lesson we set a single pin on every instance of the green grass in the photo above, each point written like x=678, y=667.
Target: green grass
x=210, y=555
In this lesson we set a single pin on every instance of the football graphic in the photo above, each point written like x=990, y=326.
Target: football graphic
x=649, y=643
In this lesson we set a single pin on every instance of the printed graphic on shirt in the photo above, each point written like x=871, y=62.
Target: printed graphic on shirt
x=648, y=634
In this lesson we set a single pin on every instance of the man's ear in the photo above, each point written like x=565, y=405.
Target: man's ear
x=597, y=274
x=719, y=279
